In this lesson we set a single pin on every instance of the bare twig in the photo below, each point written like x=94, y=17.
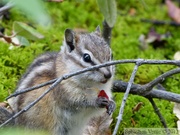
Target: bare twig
x=150, y=85
x=120, y=86
x=142, y=61
x=156, y=110
x=16, y=93
x=159, y=22
x=125, y=98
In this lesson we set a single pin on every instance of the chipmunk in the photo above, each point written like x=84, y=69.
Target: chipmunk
x=67, y=109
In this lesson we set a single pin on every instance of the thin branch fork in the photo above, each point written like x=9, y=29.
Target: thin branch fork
x=159, y=79
x=147, y=89
x=125, y=98
x=120, y=86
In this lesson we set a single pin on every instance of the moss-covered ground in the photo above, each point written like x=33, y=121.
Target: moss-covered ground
x=125, y=45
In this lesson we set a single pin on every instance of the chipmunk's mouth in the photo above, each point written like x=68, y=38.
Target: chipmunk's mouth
x=104, y=81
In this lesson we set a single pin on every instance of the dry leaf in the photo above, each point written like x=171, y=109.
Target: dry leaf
x=173, y=11
x=99, y=125
x=132, y=12
x=156, y=39
x=133, y=122
x=137, y=107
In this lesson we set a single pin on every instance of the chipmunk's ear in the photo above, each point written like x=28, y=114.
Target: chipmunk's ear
x=98, y=31
x=70, y=39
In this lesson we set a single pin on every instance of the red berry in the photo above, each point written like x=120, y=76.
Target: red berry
x=102, y=93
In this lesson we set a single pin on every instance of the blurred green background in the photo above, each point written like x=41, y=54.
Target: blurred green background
x=85, y=15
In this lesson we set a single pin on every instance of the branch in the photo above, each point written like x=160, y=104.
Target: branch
x=150, y=85
x=158, y=22
x=120, y=86
x=156, y=110
x=16, y=93
x=125, y=98
x=140, y=61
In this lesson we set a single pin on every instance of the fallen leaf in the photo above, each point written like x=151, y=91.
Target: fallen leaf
x=132, y=12
x=157, y=40
x=137, y=107
x=173, y=11
x=133, y=122
x=16, y=40
x=19, y=41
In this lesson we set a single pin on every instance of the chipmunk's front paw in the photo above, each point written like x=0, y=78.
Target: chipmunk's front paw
x=110, y=107
x=102, y=102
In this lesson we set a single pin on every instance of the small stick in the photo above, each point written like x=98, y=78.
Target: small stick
x=16, y=93
x=159, y=79
x=156, y=110
x=125, y=98
x=157, y=22
x=120, y=86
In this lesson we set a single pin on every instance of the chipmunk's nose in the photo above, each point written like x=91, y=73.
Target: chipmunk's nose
x=107, y=75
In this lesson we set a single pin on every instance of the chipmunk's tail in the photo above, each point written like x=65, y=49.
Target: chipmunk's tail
x=5, y=114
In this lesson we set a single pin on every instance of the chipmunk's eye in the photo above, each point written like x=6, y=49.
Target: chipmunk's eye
x=86, y=57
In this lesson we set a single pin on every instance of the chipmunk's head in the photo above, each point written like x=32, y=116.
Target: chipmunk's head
x=86, y=50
